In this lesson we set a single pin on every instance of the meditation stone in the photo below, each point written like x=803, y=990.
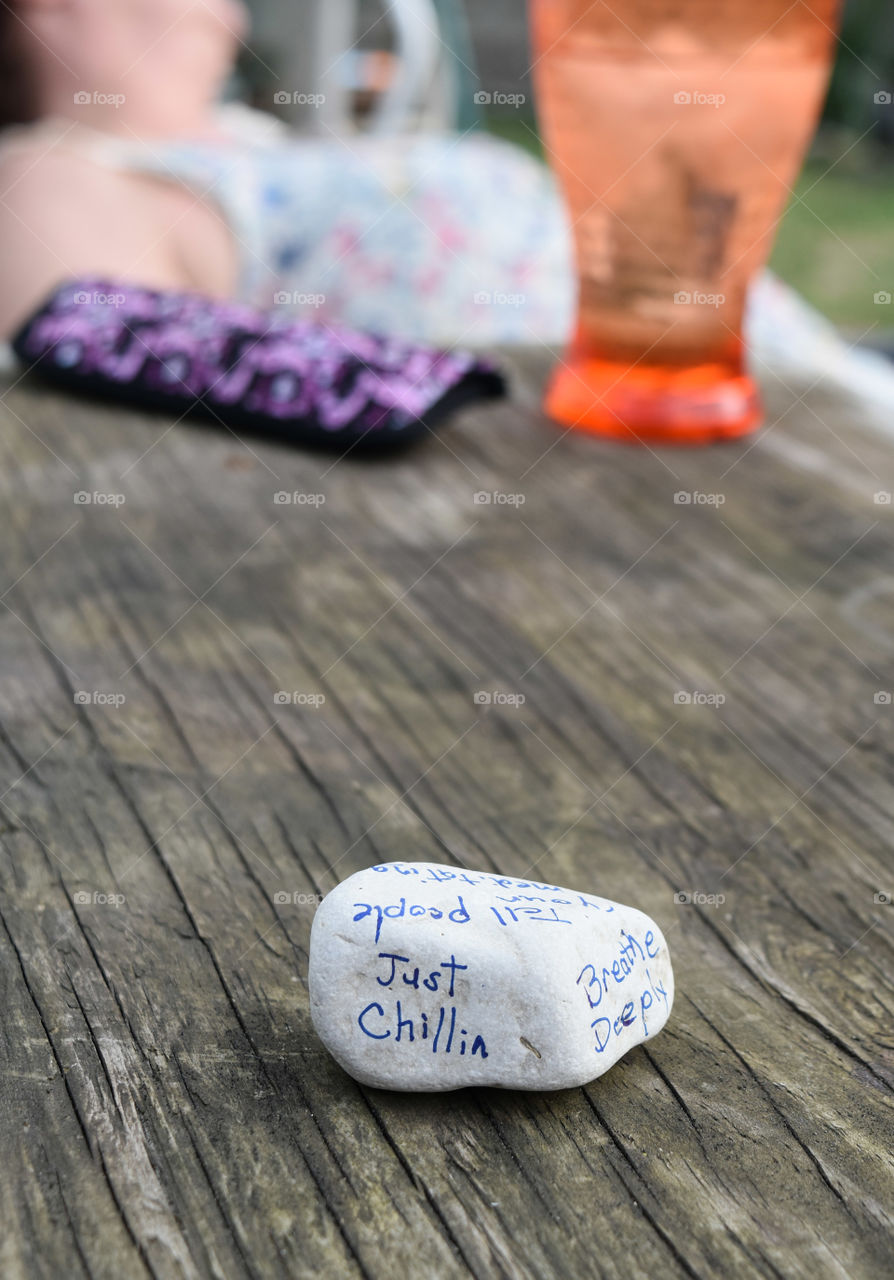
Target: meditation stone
x=430, y=977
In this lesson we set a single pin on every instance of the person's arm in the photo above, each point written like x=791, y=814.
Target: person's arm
x=62, y=216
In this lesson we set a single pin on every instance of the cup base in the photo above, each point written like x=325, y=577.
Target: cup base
x=680, y=406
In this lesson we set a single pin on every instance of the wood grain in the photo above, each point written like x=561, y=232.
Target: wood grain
x=167, y=1110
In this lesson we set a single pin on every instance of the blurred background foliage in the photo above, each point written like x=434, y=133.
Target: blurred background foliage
x=864, y=68
x=836, y=242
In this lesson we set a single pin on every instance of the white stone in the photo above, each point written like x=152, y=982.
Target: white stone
x=431, y=977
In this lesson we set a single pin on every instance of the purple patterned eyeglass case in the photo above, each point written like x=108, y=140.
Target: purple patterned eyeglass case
x=250, y=370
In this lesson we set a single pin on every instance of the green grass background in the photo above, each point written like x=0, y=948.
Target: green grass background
x=836, y=243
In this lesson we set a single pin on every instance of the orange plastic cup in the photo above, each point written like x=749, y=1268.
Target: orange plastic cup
x=675, y=128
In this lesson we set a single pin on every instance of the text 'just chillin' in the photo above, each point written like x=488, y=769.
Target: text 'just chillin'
x=380, y=1023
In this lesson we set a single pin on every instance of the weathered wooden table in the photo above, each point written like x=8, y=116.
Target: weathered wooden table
x=688, y=708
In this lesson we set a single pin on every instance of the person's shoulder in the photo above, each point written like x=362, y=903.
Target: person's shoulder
x=61, y=214
x=25, y=148
x=37, y=166
x=59, y=217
